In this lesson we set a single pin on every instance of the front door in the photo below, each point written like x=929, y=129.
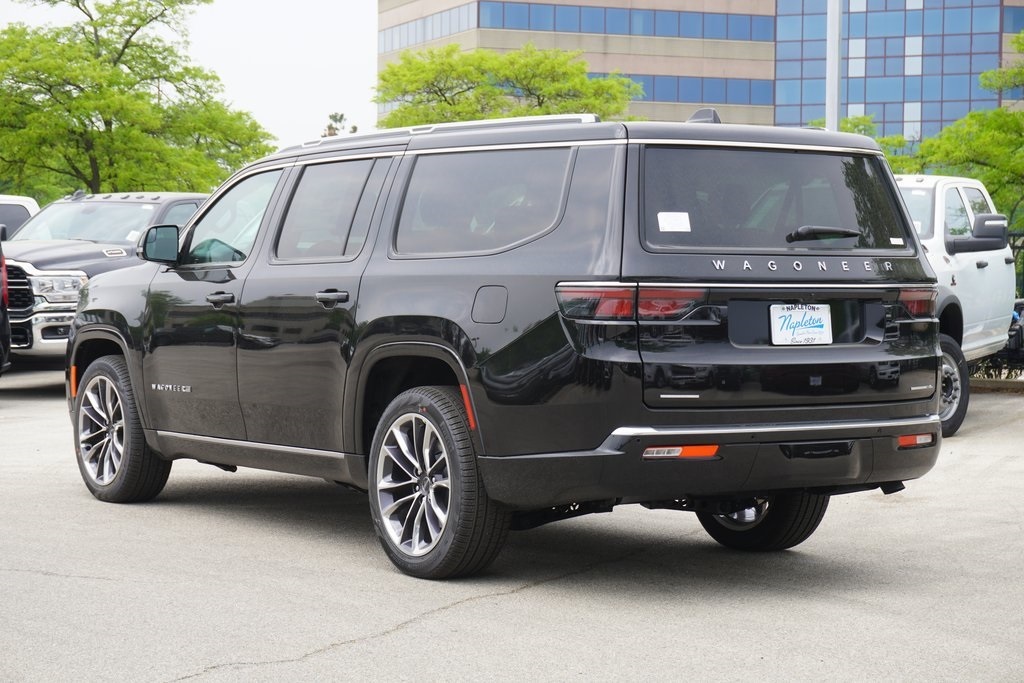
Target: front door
x=189, y=368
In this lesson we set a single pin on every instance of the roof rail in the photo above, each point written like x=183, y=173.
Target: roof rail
x=706, y=115
x=546, y=119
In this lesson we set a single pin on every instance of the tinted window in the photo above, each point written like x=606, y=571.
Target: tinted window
x=12, y=216
x=481, y=201
x=321, y=210
x=733, y=198
x=180, y=213
x=226, y=232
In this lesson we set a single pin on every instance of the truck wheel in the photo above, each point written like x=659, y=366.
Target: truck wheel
x=116, y=463
x=956, y=389
x=776, y=522
x=428, y=504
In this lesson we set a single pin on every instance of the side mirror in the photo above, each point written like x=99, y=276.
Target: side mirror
x=160, y=244
x=990, y=233
x=991, y=226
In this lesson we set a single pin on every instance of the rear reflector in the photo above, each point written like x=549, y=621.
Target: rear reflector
x=702, y=451
x=915, y=440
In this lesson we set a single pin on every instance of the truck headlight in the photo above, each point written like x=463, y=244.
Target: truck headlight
x=58, y=289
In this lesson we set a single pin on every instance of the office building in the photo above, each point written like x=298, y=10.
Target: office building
x=911, y=64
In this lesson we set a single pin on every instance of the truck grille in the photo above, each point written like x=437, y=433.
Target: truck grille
x=19, y=292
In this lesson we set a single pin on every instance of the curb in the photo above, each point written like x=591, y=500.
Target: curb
x=1011, y=386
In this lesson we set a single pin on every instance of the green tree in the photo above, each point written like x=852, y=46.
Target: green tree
x=892, y=145
x=109, y=104
x=446, y=84
x=336, y=123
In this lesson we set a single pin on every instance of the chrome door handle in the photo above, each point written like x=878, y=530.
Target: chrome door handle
x=218, y=299
x=331, y=297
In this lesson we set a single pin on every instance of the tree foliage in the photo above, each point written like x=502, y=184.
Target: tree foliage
x=446, y=84
x=110, y=104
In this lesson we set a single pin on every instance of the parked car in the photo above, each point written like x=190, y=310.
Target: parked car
x=967, y=244
x=53, y=254
x=15, y=210
x=467, y=322
x=5, y=321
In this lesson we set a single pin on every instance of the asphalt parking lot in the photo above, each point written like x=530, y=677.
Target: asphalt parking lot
x=264, y=577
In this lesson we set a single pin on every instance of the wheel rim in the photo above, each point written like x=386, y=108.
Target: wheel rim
x=101, y=430
x=951, y=387
x=413, y=487
x=747, y=518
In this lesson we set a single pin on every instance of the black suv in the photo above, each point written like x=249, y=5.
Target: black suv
x=494, y=325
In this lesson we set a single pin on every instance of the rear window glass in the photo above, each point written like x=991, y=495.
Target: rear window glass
x=767, y=199
x=481, y=201
x=921, y=207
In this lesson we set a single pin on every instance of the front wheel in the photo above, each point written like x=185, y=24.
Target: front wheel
x=429, y=507
x=956, y=388
x=115, y=462
x=773, y=522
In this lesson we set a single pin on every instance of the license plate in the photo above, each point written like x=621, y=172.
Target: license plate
x=800, y=324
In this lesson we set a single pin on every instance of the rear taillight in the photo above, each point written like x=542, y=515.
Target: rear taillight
x=920, y=303
x=618, y=302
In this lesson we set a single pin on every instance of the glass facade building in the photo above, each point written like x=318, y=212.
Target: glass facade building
x=912, y=65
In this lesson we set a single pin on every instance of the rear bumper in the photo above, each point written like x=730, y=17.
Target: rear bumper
x=751, y=459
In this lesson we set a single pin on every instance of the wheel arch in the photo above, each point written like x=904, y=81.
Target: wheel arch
x=951, y=319
x=390, y=369
x=89, y=345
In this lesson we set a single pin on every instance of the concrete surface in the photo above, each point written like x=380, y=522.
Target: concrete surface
x=265, y=577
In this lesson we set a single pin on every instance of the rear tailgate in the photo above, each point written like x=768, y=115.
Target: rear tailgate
x=771, y=277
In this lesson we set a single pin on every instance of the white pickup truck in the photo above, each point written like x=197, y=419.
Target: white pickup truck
x=968, y=248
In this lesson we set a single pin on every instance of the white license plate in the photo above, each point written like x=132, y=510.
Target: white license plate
x=800, y=324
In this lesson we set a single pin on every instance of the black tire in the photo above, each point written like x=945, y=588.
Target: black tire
x=777, y=522
x=115, y=462
x=423, y=465
x=956, y=386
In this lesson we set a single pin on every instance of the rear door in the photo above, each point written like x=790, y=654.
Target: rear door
x=776, y=278
x=297, y=312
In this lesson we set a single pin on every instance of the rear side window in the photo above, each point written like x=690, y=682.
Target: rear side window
x=481, y=201
x=322, y=209
x=767, y=199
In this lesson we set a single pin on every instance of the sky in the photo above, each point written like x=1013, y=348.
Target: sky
x=290, y=64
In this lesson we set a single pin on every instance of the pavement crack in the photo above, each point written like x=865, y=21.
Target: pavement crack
x=43, y=572
x=411, y=621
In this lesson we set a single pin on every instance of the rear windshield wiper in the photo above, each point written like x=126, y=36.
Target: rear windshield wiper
x=813, y=232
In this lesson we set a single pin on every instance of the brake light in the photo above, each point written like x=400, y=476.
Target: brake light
x=618, y=302
x=597, y=302
x=920, y=303
x=667, y=304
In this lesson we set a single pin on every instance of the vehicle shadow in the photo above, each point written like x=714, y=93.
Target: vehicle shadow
x=617, y=553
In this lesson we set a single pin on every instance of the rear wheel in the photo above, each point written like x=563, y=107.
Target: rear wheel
x=115, y=462
x=774, y=522
x=429, y=507
x=956, y=389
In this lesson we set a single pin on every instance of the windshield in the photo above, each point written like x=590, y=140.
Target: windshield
x=768, y=199
x=919, y=204
x=92, y=221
